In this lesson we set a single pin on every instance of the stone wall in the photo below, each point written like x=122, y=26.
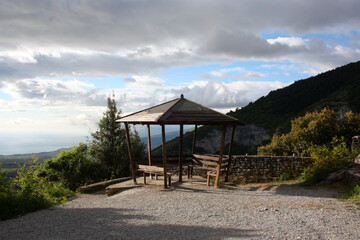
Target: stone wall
x=266, y=168
x=254, y=168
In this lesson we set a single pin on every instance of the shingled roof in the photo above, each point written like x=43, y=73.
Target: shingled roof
x=179, y=111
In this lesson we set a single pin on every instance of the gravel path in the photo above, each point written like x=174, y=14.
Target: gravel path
x=193, y=211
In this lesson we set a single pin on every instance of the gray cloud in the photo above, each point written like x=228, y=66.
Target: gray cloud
x=161, y=34
x=129, y=80
x=110, y=23
x=56, y=92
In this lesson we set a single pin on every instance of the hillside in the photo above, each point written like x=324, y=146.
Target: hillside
x=339, y=89
x=10, y=162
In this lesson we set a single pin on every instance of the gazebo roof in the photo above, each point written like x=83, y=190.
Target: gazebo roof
x=179, y=111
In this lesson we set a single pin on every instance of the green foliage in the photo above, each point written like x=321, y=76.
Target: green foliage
x=29, y=192
x=353, y=193
x=6, y=196
x=73, y=168
x=316, y=128
x=284, y=177
x=109, y=145
x=327, y=159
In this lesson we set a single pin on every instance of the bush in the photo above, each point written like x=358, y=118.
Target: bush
x=353, y=193
x=29, y=192
x=73, y=168
x=285, y=177
x=316, y=128
x=327, y=160
x=6, y=196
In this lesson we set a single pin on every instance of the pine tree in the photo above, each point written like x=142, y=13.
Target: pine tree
x=109, y=146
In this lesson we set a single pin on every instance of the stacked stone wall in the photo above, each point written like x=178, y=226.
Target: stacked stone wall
x=255, y=168
x=266, y=168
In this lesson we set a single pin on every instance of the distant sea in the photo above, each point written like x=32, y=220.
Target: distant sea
x=37, y=143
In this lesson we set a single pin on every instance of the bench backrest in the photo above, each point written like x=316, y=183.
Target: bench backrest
x=170, y=159
x=210, y=162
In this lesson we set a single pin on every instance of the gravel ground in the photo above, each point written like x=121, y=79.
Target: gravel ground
x=193, y=211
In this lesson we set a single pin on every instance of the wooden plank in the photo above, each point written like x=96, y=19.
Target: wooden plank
x=181, y=140
x=149, y=144
x=205, y=157
x=194, y=141
x=150, y=168
x=132, y=163
x=164, y=153
x=208, y=163
x=170, y=156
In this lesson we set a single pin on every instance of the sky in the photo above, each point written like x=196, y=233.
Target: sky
x=60, y=60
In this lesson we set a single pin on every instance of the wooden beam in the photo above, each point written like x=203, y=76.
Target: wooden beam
x=181, y=141
x=164, y=153
x=229, y=154
x=132, y=163
x=149, y=148
x=194, y=140
x=149, y=144
x=220, y=156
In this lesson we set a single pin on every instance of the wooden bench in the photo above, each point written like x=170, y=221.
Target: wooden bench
x=152, y=170
x=208, y=163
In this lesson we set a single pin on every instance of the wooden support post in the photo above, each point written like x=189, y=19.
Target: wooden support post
x=132, y=163
x=164, y=153
x=229, y=154
x=220, y=156
x=181, y=140
x=149, y=146
x=194, y=140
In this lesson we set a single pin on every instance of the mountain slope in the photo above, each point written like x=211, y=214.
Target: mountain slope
x=338, y=89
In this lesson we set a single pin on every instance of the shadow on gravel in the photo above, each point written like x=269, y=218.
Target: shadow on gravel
x=307, y=191
x=107, y=223
x=200, y=188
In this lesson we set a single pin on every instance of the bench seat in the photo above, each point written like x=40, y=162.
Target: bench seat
x=145, y=169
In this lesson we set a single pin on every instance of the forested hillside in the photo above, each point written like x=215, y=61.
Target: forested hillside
x=339, y=89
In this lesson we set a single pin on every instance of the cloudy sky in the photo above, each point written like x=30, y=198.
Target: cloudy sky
x=59, y=60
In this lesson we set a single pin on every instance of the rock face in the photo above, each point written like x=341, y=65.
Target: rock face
x=249, y=136
x=349, y=175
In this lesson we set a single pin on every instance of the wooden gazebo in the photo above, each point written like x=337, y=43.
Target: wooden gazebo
x=180, y=112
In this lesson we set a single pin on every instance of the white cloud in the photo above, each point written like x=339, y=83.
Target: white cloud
x=253, y=75
x=218, y=74
x=145, y=82
x=226, y=96
x=55, y=92
x=290, y=41
x=222, y=73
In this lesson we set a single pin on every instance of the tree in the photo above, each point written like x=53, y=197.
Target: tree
x=313, y=129
x=109, y=145
x=73, y=168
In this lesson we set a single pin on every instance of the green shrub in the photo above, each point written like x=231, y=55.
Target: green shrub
x=327, y=160
x=315, y=128
x=353, y=193
x=73, y=168
x=6, y=196
x=29, y=192
x=284, y=177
